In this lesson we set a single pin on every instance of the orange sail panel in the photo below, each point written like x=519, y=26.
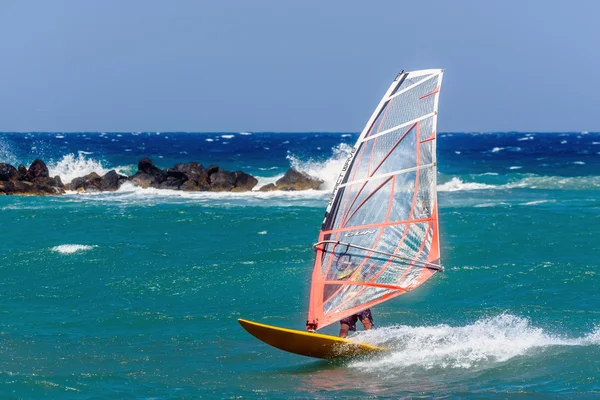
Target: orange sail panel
x=379, y=237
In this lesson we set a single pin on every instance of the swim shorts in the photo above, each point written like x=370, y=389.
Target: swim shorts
x=351, y=320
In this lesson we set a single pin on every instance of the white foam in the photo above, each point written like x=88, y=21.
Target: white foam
x=515, y=167
x=497, y=149
x=488, y=205
x=456, y=184
x=227, y=136
x=246, y=133
x=563, y=142
x=486, y=342
x=71, y=248
x=557, y=182
x=70, y=167
x=535, y=202
x=59, y=136
x=129, y=193
x=265, y=180
x=525, y=138
x=262, y=232
x=209, y=140
x=327, y=170
x=489, y=174
x=579, y=162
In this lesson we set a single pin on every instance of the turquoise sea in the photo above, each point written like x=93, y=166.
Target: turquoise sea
x=136, y=294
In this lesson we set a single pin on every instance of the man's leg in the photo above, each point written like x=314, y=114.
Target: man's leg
x=367, y=323
x=344, y=328
x=348, y=324
x=366, y=318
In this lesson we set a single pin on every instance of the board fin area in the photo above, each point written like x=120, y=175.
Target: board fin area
x=305, y=343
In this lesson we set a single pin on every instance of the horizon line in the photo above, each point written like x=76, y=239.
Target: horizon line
x=296, y=132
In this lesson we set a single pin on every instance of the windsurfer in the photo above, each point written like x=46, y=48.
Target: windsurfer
x=349, y=323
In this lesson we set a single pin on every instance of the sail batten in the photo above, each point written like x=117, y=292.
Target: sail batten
x=379, y=237
x=395, y=128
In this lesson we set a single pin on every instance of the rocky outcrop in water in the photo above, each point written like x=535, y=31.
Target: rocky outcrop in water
x=93, y=182
x=34, y=180
x=293, y=180
x=190, y=177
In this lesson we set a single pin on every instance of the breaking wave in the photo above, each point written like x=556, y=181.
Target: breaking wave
x=327, y=170
x=70, y=167
x=487, y=341
x=528, y=181
x=130, y=194
x=455, y=184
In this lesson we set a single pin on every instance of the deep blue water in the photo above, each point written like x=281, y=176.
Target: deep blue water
x=136, y=294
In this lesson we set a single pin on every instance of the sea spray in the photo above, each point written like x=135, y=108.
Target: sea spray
x=6, y=155
x=487, y=341
x=70, y=167
x=327, y=170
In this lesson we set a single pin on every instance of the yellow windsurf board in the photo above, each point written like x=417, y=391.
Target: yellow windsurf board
x=305, y=343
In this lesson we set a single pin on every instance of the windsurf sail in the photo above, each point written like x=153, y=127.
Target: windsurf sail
x=379, y=238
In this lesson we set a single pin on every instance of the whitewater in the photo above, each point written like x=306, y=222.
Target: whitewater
x=140, y=290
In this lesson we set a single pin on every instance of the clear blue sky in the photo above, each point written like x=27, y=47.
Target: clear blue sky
x=134, y=65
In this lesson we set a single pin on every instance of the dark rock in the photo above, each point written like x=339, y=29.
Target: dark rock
x=268, y=188
x=23, y=187
x=172, y=182
x=244, y=182
x=37, y=169
x=30, y=188
x=190, y=186
x=192, y=170
x=22, y=170
x=8, y=173
x=190, y=176
x=58, y=181
x=222, y=181
x=54, y=182
x=7, y=187
x=144, y=180
x=89, y=183
x=145, y=166
x=175, y=173
x=296, y=180
x=44, y=189
x=195, y=172
x=111, y=181
x=213, y=169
